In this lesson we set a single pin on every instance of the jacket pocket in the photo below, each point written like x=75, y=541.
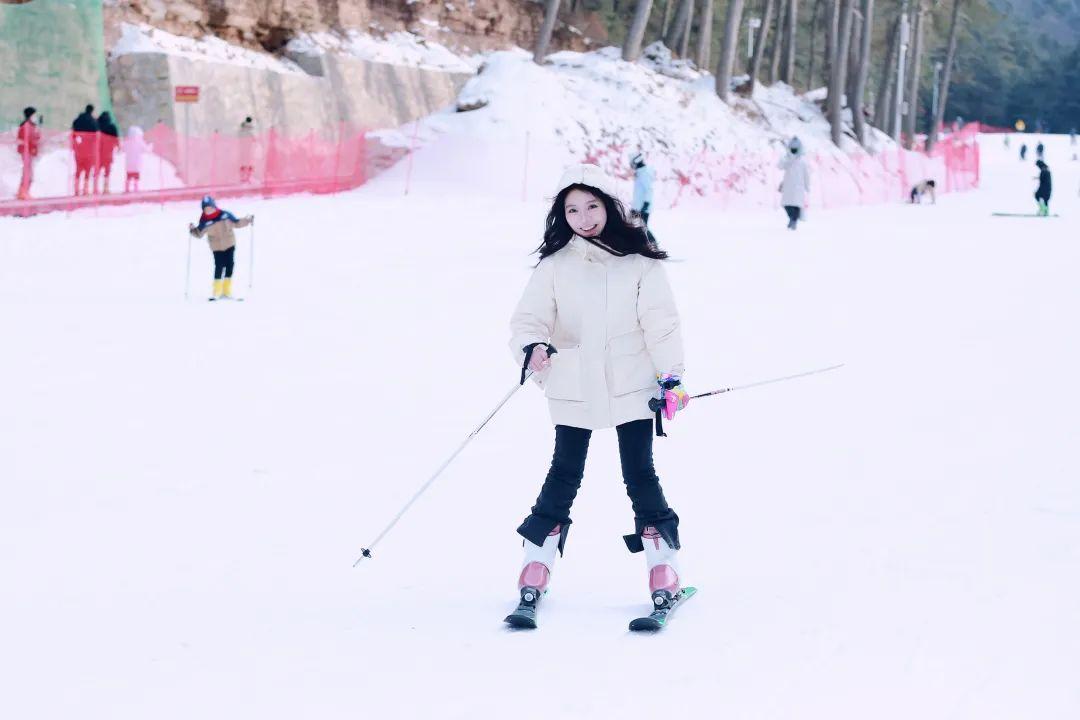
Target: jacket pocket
x=563, y=381
x=631, y=366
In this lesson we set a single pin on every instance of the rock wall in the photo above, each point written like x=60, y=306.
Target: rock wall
x=468, y=25
x=359, y=93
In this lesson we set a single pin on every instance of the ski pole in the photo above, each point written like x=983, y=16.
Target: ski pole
x=366, y=552
x=187, y=273
x=251, y=256
x=655, y=404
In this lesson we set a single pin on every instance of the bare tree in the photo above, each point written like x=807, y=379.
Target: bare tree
x=950, y=54
x=704, y=38
x=832, y=21
x=787, y=71
x=632, y=47
x=678, y=25
x=838, y=71
x=759, y=42
x=778, y=43
x=813, y=43
x=551, y=13
x=732, y=21
x=882, y=117
x=665, y=19
x=862, y=71
x=914, y=68
x=684, y=41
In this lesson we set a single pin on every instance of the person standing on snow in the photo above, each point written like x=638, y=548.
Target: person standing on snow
x=109, y=143
x=247, y=149
x=598, y=327
x=1023, y=151
x=1040, y=151
x=84, y=143
x=641, y=206
x=796, y=183
x=135, y=146
x=218, y=224
x=28, y=143
x=1042, y=194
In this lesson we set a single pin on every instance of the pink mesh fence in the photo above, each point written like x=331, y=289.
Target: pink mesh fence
x=74, y=170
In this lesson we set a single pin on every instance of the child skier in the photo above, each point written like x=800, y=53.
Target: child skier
x=218, y=224
x=796, y=182
x=924, y=188
x=598, y=327
x=28, y=142
x=641, y=206
x=1042, y=194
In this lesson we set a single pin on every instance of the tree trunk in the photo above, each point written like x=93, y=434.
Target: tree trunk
x=863, y=71
x=931, y=140
x=666, y=18
x=832, y=18
x=813, y=45
x=853, y=52
x=551, y=13
x=677, y=26
x=759, y=42
x=787, y=70
x=885, y=82
x=704, y=38
x=913, y=86
x=632, y=47
x=684, y=41
x=732, y=21
x=838, y=77
x=778, y=43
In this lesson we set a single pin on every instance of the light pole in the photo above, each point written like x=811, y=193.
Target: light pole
x=752, y=24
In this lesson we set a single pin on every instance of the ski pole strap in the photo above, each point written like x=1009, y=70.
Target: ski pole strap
x=528, y=353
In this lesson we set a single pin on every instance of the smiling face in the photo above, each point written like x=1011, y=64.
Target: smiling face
x=585, y=213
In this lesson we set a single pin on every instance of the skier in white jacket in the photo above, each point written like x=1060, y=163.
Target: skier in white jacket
x=796, y=183
x=598, y=327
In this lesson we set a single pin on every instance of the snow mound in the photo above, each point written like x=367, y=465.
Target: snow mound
x=397, y=48
x=145, y=39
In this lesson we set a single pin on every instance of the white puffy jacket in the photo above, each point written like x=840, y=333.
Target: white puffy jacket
x=614, y=325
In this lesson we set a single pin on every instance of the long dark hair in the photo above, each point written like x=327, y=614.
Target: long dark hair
x=619, y=236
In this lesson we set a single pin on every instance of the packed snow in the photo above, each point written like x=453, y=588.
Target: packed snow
x=187, y=484
x=140, y=38
x=396, y=48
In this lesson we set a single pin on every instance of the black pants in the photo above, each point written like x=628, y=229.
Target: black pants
x=794, y=212
x=568, y=467
x=646, y=210
x=1044, y=196
x=223, y=263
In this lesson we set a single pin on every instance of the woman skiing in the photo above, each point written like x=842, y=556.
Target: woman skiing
x=598, y=328
x=796, y=183
x=219, y=224
x=1042, y=193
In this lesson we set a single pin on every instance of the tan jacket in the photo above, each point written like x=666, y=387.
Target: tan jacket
x=221, y=233
x=614, y=324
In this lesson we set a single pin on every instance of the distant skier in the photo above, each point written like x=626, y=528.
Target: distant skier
x=796, y=183
x=135, y=146
x=84, y=143
x=598, y=326
x=925, y=187
x=28, y=143
x=247, y=149
x=641, y=206
x=108, y=144
x=1023, y=151
x=1042, y=194
x=218, y=224
x=1040, y=151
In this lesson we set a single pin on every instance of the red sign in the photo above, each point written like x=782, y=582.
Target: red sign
x=186, y=93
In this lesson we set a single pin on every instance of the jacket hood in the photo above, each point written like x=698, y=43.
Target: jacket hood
x=586, y=174
x=795, y=146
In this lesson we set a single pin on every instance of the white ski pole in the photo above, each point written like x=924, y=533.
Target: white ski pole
x=366, y=552
x=187, y=273
x=251, y=256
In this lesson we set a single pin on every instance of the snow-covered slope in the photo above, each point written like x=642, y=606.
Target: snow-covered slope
x=186, y=485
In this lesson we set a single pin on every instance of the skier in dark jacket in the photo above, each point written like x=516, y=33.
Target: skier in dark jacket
x=84, y=142
x=1023, y=151
x=108, y=144
x=1042, y=195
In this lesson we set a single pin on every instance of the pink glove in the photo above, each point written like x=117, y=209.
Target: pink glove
x=675, y=397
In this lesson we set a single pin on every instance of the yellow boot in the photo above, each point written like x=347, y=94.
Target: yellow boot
x=218, y=285
x=226, y=287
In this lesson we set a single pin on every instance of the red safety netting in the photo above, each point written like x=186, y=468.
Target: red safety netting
x=77, y=169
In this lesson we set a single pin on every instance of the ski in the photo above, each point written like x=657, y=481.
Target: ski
x=665, y=605
x=525, y=614
x=1002, y=214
